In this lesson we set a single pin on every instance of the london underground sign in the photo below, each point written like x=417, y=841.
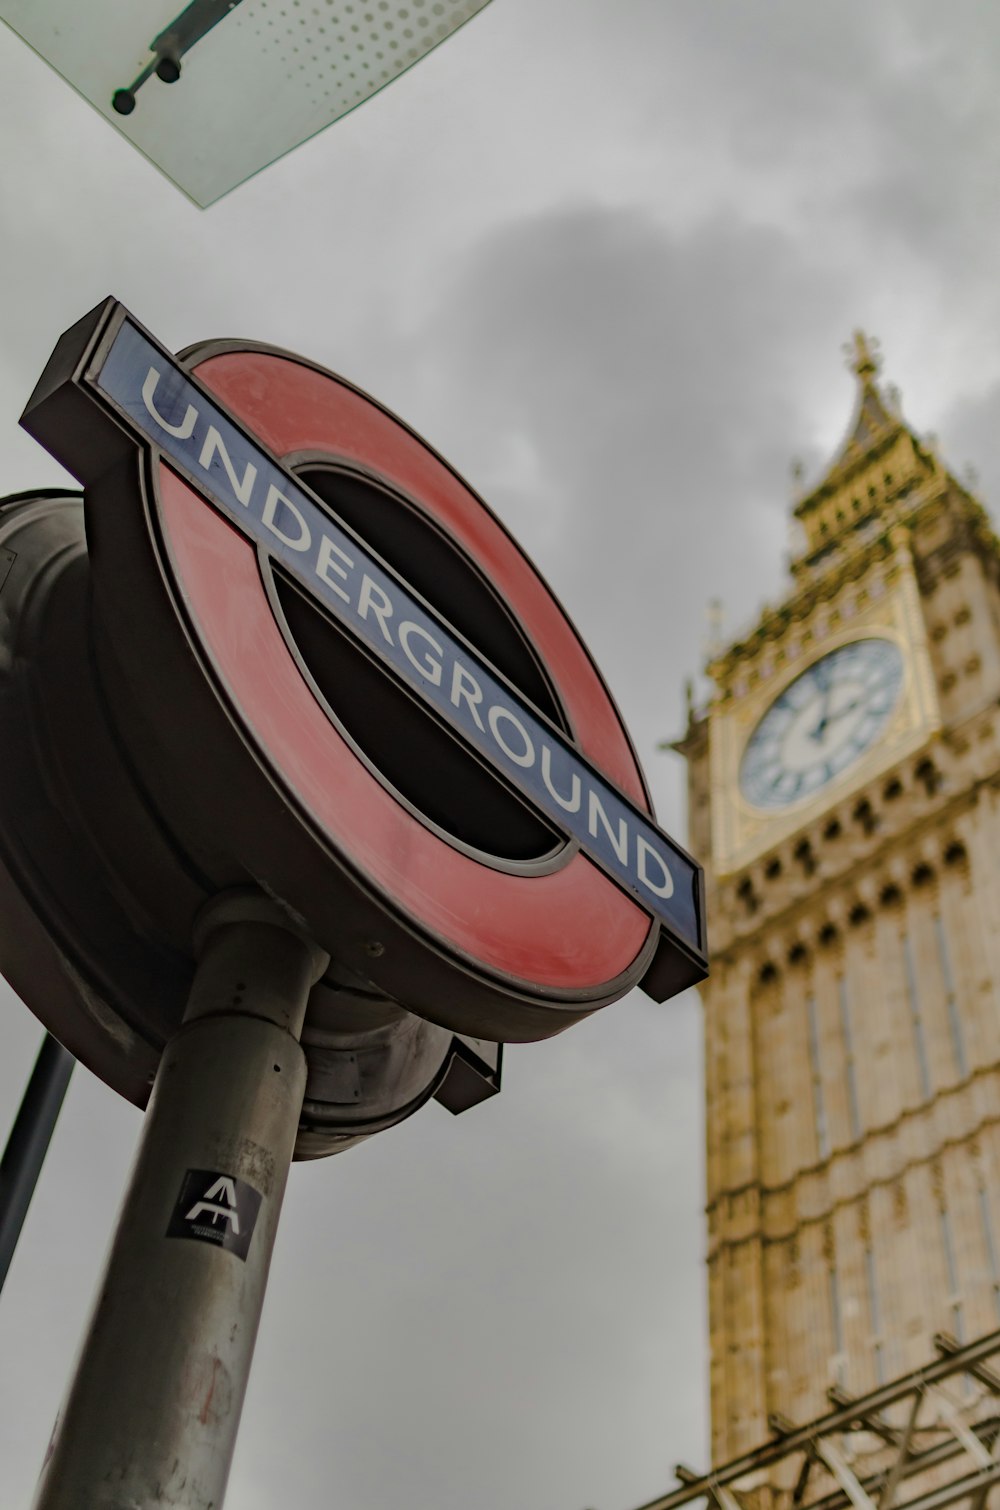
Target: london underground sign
x=264, y=500
x=359, y=689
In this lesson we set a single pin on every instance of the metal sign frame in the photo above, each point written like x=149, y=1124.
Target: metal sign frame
x=216, y=427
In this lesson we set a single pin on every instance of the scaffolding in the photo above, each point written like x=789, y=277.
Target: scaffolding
x=928, y=1439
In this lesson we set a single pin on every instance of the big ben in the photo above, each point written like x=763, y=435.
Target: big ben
x=844, y=788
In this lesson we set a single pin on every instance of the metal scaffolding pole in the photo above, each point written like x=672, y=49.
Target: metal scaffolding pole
x=28, y=1143
x=930, y=1450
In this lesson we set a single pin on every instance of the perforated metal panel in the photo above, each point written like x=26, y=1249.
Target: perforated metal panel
x=259, y=78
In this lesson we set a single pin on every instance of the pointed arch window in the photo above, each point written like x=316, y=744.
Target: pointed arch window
x=951, y=1000
x=875, y=1315
x=838, y=1361
x=853, y=1110
x=816, y=1074
x=951, y=1268
x=916, y=1017
x=990, y=1245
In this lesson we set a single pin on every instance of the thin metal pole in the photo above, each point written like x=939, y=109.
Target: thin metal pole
x=152, y=1412
x=28, y=1142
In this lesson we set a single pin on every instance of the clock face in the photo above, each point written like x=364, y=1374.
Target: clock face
x=822, y=723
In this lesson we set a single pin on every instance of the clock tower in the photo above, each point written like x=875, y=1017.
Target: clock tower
x=844, y=788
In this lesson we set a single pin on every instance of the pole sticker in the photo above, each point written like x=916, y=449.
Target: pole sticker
x=216, y=1208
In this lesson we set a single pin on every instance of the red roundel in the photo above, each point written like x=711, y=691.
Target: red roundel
x=561, y=932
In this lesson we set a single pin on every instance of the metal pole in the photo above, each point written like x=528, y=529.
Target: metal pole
x=151, y=1415
x=28, y=1142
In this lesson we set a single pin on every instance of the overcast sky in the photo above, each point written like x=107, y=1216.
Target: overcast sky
x=604, y=256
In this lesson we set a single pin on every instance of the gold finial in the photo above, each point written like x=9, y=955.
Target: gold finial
x=863, y=355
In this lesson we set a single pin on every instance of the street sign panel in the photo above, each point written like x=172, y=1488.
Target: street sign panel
x=185, y=85
x=265, y=501
x=263, y=470
x=314, y=662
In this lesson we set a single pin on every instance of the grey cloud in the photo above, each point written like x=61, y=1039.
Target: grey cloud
x=647, y=375
x=604, y=257
x=968, y=439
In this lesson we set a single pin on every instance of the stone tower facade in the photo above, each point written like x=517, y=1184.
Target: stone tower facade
x=844, y=788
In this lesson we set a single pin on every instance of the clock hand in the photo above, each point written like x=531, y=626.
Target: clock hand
x=847, y=708
x=831, y=718
x=821, y=675
x=824, y=718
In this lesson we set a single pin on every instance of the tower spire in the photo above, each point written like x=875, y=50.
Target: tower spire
x=863, y=356
x=870, y=465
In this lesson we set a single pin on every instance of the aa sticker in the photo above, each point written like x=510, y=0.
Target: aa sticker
x=216, y=1208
